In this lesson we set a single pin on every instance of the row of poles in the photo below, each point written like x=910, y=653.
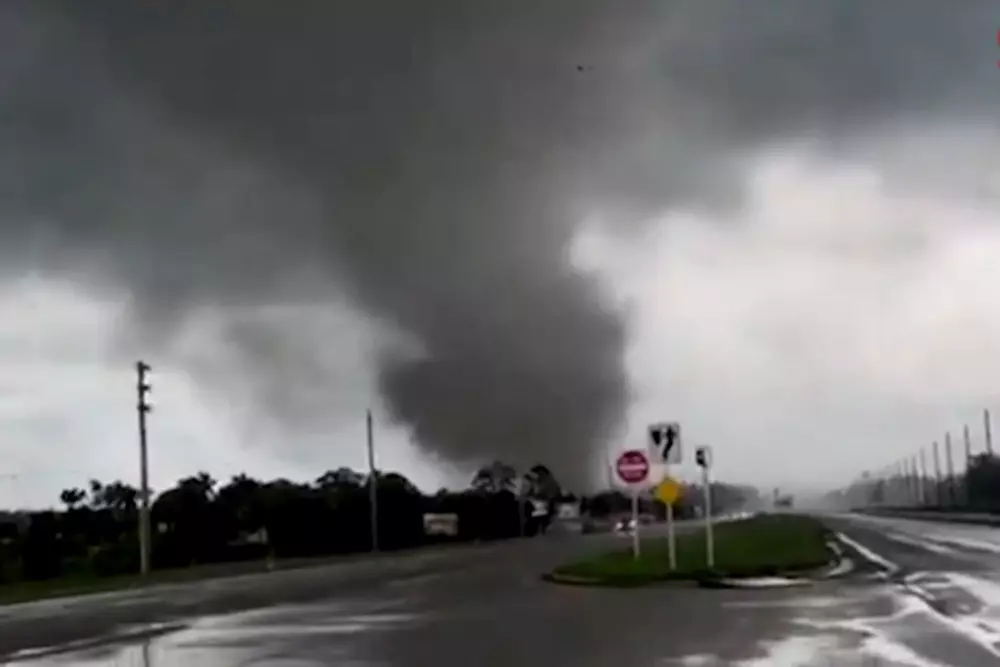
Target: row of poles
x=921, y=479
x=143, y=407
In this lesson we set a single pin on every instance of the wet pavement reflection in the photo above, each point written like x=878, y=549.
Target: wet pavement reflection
x=490, y=608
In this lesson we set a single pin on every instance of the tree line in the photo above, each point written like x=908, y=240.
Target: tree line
x=199, y=520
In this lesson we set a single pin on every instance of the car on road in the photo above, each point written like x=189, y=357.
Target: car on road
x=625, y=526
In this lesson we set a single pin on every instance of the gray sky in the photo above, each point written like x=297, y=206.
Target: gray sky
x=522, y=232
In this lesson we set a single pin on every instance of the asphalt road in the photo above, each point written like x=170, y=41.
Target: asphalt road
x=487, y=605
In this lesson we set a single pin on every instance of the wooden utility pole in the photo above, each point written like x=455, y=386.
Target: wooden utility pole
x=372, y=481
x=143, y=407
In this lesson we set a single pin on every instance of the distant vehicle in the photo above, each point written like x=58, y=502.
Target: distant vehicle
x=625, y=526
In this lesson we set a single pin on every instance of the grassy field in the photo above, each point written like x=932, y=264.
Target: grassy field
x=27, y=591
x=765, y=545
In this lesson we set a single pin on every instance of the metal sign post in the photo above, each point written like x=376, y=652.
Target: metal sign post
x=665, y=442
x=633, y=469
x=635, y=523
x=704, y=459
x=665, y=445
x=668, y=491
x=671, y=532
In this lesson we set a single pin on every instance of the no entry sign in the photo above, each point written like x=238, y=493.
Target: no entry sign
x=632, y=466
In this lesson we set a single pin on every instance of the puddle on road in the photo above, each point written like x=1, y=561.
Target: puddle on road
x=279, y=637
x=885, y=626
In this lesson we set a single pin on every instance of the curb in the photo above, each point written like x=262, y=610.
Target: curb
x=594, y=582
x=571, y=580
x=841, y=566
x=756, y=583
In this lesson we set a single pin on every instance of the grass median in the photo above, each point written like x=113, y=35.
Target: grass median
x=762, y=546
x=30, y=591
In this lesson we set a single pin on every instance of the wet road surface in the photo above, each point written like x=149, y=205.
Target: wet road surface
x=916, y=597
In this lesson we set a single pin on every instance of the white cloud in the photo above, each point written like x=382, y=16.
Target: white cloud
x=838, y=322
x=67, y=403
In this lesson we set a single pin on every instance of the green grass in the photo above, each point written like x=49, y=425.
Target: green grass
x=765, y=545
x=85, y=584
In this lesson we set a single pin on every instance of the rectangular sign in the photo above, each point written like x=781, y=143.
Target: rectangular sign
x=665, y=442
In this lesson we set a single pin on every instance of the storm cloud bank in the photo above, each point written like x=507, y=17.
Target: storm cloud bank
x=434, y=161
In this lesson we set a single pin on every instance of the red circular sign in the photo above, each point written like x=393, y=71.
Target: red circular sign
x=632, y=466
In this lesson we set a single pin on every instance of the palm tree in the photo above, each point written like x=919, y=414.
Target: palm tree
x=495, y=477
x=119, y=497
x=541, y=483
x=96, y=494
x=201, y=485
x=341, y=479
x=72, y=497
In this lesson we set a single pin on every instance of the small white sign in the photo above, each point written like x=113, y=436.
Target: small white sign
x=665, y=442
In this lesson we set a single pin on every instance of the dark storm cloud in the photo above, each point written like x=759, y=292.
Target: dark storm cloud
x=434, y=159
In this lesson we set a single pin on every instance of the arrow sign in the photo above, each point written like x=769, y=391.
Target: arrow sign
x=665, y=442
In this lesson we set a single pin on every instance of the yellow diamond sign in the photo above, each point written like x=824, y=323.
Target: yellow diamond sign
x=668, y=491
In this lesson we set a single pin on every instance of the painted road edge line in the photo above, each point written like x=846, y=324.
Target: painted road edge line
x=869, y=555
x=975, y=634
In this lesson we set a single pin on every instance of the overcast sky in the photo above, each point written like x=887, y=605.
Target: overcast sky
x=776, y=227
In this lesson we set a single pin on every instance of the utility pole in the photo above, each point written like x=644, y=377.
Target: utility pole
x=372, y=482
x=937, y=476
x=923, y=476
x=907, y=482
x=143, y=407
x=967, y=439
x=989, y=432
x=951, y=469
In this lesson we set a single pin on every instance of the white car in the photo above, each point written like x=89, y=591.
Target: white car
x=625, y=526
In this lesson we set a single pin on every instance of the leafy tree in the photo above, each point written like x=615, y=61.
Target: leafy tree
x=983, y=482
x=72, y=498
x=495, y=477
x=197, y=520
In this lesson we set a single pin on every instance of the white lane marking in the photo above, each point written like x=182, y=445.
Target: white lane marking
x=977, y=545
x=869, y=555
x=881, y=641
x=795, y=651
x=988, y=591
x=970, y=627
x=970, y=630
x=967, y=536
x=926, y=544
